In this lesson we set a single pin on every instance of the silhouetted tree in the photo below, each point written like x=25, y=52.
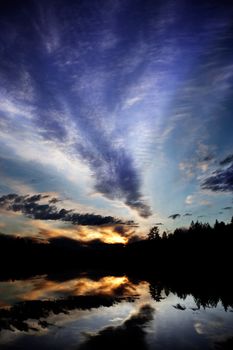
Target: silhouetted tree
x=164, y=236
x=216, y=225
x=154, y=234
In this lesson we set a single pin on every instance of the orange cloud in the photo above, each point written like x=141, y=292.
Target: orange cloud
x=112, y=233
x=107, y=234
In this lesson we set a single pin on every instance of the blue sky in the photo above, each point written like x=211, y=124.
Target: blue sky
x=117, y=108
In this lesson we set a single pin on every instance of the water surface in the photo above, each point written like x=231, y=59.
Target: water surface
x=90, y=311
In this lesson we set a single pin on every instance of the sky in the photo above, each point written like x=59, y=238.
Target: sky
x=115, y=115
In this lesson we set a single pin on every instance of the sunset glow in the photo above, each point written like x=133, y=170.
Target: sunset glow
x=116, y=174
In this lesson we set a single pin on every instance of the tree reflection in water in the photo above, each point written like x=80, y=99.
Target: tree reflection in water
x=44, y=300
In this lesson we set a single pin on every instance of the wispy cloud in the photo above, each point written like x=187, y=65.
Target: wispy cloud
x=227, y=208
x=220, y=181
x=54, y=107
x=111, y=90
x=227, y=160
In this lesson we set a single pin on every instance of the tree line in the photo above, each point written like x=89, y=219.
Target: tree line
x=199, y=248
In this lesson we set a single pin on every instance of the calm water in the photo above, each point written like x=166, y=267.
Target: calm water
x=90, y=312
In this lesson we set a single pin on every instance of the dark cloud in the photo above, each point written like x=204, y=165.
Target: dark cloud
x=208, y=158
x=54, y=200
x=220, y=180
x=174, y=216
x=227, y=208
x=227, y=160
x=129, y=335
x=188, y=214
x=158, y=223
x=31, y=207
x=115, y=174
x=119, y=229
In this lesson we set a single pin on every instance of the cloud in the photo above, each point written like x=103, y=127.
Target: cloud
x=112, y=233
x=54, y=200
x=187, y=168
x=200, y=163
x=85, y=71
x=188, y=214
x=205, y=202
x=130, y=334
x=116, y=178
x=227, y=160
x=47, y=230
x=174, y=216
x=158, y=223
x=74, y=104
x=207, y=158
x=221, y=180
x=31, y=207
x=227, y=208
x=189, y=199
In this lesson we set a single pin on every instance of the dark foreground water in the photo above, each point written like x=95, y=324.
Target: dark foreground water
x=109, y=312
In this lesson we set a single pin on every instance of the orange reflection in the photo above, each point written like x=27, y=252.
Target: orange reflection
x=108, y=285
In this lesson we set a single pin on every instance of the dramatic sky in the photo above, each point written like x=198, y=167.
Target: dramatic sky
x=114, y=110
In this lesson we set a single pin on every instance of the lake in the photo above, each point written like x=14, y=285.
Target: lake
x=92, y=311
